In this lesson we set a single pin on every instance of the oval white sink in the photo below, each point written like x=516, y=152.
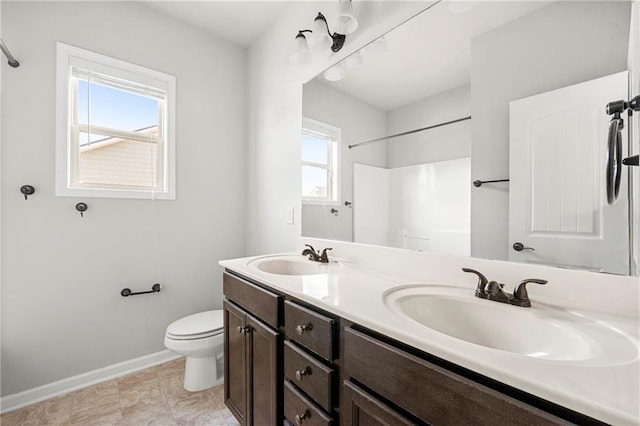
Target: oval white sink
x=540, y=332
x=292, y=265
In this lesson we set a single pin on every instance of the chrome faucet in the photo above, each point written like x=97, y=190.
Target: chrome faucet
x=493, y=290
x=313, y=255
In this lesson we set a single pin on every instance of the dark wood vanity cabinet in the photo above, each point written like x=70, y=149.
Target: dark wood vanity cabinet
x=252, y=356
x=287, y=362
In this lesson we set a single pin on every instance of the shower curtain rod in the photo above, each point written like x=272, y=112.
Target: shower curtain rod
x=409, y=132
x=7, y=53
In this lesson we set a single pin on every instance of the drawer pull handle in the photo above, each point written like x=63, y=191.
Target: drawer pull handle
x=300, y=329
x=306, y=371
x=300, y=417
x=243, y=330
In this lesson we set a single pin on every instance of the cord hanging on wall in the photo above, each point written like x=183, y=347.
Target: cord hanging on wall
x=82, y=207
x=27, y=190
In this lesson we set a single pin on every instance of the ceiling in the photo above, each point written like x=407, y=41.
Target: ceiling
x=428, y=54
x=239, y=22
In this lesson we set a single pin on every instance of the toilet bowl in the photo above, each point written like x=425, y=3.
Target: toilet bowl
x=200, y=338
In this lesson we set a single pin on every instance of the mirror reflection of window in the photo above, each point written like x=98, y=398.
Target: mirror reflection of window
x=320, y=147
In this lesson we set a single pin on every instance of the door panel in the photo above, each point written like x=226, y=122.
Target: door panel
x=264, y=384
x=235, y=362
x=557, y=204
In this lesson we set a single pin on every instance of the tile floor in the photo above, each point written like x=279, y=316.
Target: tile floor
x=154, y=396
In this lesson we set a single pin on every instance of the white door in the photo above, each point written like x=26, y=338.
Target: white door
x=557, y=203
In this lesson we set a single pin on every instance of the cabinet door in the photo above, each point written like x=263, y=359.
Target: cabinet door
x=363, y=409
x=235, y=362
x=264, y=399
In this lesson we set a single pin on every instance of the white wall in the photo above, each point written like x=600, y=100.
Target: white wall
x=358, y=122
x=442, y=143
x=275, y=110
x=556, y=46
x=62, y=313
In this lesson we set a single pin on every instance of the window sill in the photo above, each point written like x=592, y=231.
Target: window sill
x=320, y=203
x=115, y=193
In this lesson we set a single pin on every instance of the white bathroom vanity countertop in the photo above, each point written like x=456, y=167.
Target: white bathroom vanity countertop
x=603, y=386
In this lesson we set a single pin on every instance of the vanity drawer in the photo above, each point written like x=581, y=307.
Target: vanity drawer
x=260, y=302
x=310, y=375
x=431, y=393
x=309, y=328
x=300, y=411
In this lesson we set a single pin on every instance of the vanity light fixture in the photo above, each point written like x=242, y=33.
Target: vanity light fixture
x=321, y=36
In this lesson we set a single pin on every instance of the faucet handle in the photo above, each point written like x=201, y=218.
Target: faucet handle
x=520, y=295
x=323, y=257
x=482, y=283
x=311, y=253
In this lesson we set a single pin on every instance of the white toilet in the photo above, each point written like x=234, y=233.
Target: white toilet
x=200, y=338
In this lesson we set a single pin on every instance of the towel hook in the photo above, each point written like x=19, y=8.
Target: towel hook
x=27, y=190
x=82, y=207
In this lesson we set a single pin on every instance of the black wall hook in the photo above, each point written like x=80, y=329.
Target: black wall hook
x=154, y=289
x=27, y=190
x=82, y=207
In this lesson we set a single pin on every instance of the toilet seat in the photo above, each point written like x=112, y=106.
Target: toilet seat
x=196, y=326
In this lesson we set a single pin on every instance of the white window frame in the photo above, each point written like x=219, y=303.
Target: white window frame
x=67, y=142
x=334, y=134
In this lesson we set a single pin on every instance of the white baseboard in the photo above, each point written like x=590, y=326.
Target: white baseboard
x=61, y=387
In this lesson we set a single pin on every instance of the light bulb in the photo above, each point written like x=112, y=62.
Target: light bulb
x=346, y=22
x=320, y=38
x=300, y=53
x=335, y=73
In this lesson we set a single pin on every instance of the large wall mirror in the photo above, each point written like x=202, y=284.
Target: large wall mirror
x=512, y=93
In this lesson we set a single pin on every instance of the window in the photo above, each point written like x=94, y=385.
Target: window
x=320, y=148
x=115, y=128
